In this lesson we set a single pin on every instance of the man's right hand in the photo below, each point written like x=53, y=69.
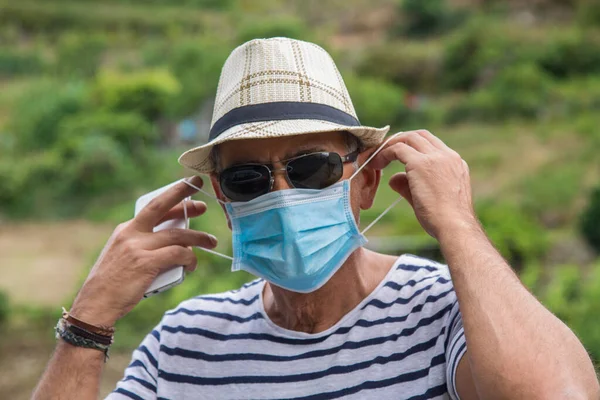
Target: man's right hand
x=135, y=255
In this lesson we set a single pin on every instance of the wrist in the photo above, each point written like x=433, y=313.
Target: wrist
x=93, y=314
x=458, y=229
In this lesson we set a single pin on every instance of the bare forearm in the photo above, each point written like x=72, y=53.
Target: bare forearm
x=72, y=373
x=516, y=347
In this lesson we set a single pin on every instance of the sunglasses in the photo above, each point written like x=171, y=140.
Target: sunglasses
x=245, y=182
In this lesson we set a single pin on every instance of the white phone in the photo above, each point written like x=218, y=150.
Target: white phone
x=176, y=275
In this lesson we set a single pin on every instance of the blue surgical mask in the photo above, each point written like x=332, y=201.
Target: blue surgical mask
x=296, y=239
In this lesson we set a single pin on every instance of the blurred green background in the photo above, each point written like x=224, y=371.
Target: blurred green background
x=98, y=98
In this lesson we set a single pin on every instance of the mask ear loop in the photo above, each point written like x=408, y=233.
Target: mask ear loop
x=187, y=222
x=381, y=147
x=203, y=191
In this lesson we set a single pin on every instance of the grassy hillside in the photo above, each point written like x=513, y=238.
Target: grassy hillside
x=92, y=93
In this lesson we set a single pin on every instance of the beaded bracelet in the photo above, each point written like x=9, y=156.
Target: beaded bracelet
x=63, y=332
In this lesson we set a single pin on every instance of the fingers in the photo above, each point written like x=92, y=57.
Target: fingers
x=171, y=256
x=399, y=151
x=399, y=183
x=179, y=237
x=154, y=212
x=434, y=140
x=417, y=142
x=408, y=145
x=194, y=209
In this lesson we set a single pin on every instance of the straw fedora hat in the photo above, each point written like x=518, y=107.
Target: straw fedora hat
x=279, y=87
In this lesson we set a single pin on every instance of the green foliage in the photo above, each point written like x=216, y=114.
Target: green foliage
x=146, y=93
x=4, y=307
x=86, y=16
x=129, y=130
x=575, y=52
x=38, y=113
x=377, y=102
x=588, y=12
x=590, y=220
x=576, y=96
x=95, y=164
x=79, y=55
x=411, y=65
x=512, y=231
x=423, y=18
x=477, y=52
x=196, y=65
x=203, y=4
x=290, y=27
x=520, y=90
x=17, y=63
x=574, y=297
x=63, y=157
x=549, y=194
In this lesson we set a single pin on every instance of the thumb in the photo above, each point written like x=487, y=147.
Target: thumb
x=399, y=183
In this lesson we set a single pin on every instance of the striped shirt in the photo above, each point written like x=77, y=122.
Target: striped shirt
x=403, y=341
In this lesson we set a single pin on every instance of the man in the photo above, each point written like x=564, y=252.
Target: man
x=328, y=319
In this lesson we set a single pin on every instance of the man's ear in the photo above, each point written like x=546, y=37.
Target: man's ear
x=370, y=183
x=214, y=181
x=369, y=178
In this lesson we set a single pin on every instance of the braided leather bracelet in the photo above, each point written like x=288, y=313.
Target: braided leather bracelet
x=63, y=332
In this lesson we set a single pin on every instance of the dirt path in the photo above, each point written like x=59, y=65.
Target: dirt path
x=41, y=264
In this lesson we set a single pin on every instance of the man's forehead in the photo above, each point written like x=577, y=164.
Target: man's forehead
x=264, y=150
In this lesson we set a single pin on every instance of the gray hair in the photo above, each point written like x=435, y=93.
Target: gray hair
x=352, y=144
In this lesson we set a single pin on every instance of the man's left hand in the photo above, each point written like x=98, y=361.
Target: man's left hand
x=436, y=182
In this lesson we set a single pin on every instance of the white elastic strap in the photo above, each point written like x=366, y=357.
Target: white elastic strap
x=381, y=215
x=203, y=191
x=381, y=147
x=214, y=252
x=187, y=221
x=375, y=153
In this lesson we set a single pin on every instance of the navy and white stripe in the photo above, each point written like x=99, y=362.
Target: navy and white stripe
x=403, y=341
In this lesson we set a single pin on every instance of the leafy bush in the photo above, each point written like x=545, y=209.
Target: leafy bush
x=146, y=93
x=576, y=96
x=411, y=65
x=79, y=55
x=590, y=220
x=574, y=297
x=521, y=90
x=574, y=52
x=588, y=12
x=512, y=231
x=481, y=49
x=197, y=66
x=96, y=164
x=38, y=113
x=30, y=185
x=424, y=18
x=15, y=63
x=129, y=130
x=273, y=27
x=377, y=102
x=549, y=194
x=56, y=17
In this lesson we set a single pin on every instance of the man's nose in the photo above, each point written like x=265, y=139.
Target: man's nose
x=279, y=180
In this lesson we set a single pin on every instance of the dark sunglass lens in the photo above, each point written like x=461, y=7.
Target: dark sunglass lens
x=315, y=171
x=245, y=182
